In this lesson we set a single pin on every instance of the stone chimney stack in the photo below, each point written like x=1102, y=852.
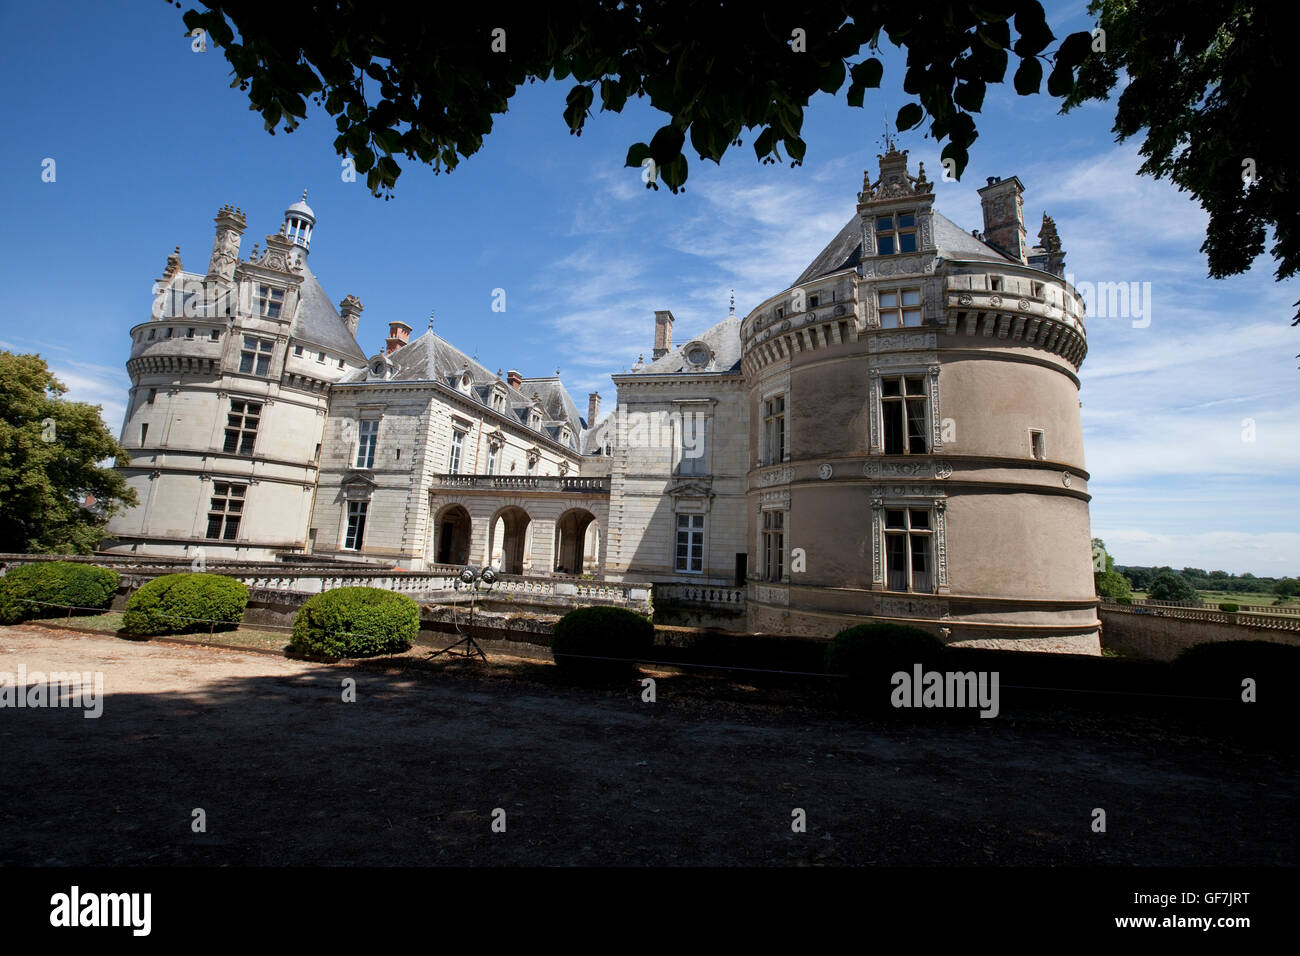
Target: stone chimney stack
x=225, y=249
x=350, y=309
x=1004, y=217
x=663, y=334
x=514, y=379
x=399, y=333
x=593, y=408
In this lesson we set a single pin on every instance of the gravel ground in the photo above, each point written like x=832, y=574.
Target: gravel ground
x=412, y=772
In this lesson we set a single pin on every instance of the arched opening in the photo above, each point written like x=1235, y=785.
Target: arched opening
x=451, y=536
x=507, y=546
x=573, y=543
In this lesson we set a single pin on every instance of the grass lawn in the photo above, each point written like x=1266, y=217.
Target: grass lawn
x=1215, y=598
x=252, y=637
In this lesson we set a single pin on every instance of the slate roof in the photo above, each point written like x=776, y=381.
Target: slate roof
x=722, y=339
x=430, y=358
x=318, y=321
x=845, y=250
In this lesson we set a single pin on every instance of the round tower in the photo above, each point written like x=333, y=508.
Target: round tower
x=915, y=431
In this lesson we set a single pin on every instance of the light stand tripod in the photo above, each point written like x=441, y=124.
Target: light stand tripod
x=470, y=578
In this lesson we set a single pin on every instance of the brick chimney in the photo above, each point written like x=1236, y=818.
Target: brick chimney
x=1004, y=217
x=399, y=333
x=514, y=379
x=350, y=310
x=663, y=334
x=593, y=408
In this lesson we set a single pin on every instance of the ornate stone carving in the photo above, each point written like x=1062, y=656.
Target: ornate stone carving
x=1023, y=305
x=901, y=340
x=776, y=476
x=996, y=301
x=943, y=469
x=965, y=299
x=824, y=471
x=936, y=418
x=1065, y=478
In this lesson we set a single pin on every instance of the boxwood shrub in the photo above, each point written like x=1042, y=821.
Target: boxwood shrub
x=87, y=587
x=602, y=632
x=868, y=655
x=184, y=603
x=355, y=622
x=1230, y=607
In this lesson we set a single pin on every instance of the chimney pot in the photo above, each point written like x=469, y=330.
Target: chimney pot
x=514, y=379
x=593, y=408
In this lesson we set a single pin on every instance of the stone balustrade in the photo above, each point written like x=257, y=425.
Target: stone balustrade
x=532, y=483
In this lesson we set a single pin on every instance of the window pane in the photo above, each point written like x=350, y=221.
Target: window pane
x=232, y=441
x=894, y=519
x=266, y=346
x=214, y=526
x=885, y=222
x=906, y=219
x=907, y=242
x=920, y=519
x=915, y=385
x=920, y=562
x=888, y=300
x=896, y=561
x=263, y=364
x=232, y=528
x=246, y=361
x=893, y=415
x=911, y=297
x=890, y=386
x=250, y=342
x=916, y=443
x=885, y=245
x=912, y=318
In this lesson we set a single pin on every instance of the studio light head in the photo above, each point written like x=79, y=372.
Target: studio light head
x=488, y=575
x=468, y=575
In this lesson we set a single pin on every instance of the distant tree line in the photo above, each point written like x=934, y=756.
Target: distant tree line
x=1143, y=579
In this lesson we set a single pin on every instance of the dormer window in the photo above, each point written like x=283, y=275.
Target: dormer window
x=896, y=233
x=269, y=301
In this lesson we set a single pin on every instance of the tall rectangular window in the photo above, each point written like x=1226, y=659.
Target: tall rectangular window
x=908, y=533
x=269, y=301
x=457, y=448
x=1037, y=446
x=356, y=533
x=255, y=357
x=896, y=233
x=367, y=438
x=774, y=430
x=692, y=445
x=773, y=545
x=900, y=308
x=241, y=427
x=225, y=510
x=690, y=543
x=903, y=408
x=494, y=451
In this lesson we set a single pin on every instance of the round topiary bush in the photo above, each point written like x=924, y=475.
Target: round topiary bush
x=868, y=656
x=355, y=622
x=46, y=588
x=184, y=603
x=587, y=637
x=1230, y=607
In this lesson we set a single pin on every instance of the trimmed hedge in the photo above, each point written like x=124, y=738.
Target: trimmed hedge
x=88, y=588
x=355, y=622
x=1230, y=607
x=183, y=603
x=868, y=655
x=596, y=632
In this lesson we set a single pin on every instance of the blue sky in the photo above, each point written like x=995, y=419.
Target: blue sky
x=149, y=140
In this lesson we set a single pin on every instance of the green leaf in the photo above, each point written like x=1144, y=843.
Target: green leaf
x=1060, y=81
x=970, y=96
x=1029, y=76
x=909, y=116
x=637, y=154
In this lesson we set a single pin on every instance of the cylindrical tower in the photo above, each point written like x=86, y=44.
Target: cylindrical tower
x=915, y=431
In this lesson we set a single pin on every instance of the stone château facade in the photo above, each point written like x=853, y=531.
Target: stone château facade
x=895, y=435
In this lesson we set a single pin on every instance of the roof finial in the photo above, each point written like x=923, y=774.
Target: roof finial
x=557, y=371
x=431, y=320
x=732, y=311
x=304, y=195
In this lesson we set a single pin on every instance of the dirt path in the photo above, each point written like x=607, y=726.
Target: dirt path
x=411, y=773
